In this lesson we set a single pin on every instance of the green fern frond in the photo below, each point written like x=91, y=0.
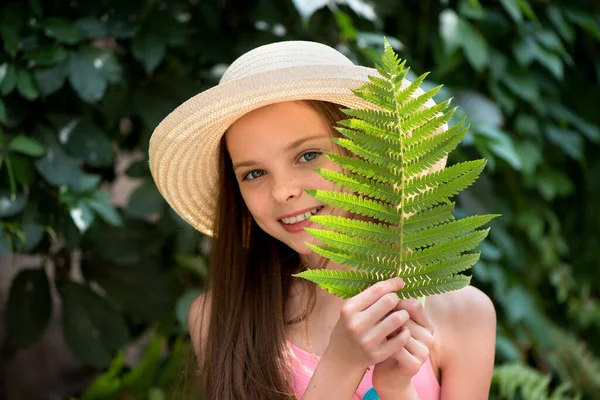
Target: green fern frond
x=450, y=230
x=356, y=227
x=406, y=93
x=360, y=184
x=358, y=205
x=428, y=218
x=361, y=167
x=385, y=266
x=441, y=269
x=446, y=249
x=436, y=178
x=419, y=118
x=407, y=228
x=530, y=383
x=347, y=284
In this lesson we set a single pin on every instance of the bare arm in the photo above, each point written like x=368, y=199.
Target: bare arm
x=468, y=340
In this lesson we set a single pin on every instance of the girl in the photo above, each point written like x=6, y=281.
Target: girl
x=235, y=162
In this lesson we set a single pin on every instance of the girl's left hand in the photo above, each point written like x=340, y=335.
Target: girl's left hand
x=393, y=376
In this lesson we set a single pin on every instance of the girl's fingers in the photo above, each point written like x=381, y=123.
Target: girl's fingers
x=417, y=349
x=420, y=333
x=396, y=343
x=417, y=313
x=367, y=298
x=390, y=325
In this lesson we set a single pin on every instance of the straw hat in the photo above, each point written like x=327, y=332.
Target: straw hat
x=184, y=147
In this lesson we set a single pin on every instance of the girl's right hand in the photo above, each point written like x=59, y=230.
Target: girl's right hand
x=369, y=328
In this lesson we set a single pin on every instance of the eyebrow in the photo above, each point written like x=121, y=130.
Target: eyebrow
x=290, y=146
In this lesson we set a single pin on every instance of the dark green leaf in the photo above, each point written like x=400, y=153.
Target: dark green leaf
x=569, y=141
x=23, y=168
x=124, y=245
x=3, y=71
x=88, y=183
x=120, y=28
x=125, y=282
x=553, y=183
x=46, y=55
x=2, y=112
x=49, y=80
x=107, y=385
x=138, y=169
x=91, y=27
x=106, y=211
x=32, y=232
x=522, y=83
x=142, y=377
x=11, y=205
x=145, y=201
x=562, y=26
x=9, y=32
x=57, y=166
x=149, y=49
x=10, y=80
x=25, y=145
x=91, y=144
x=62, y=30
x=513, y=9
x=36, y=7
x=5, y=241
x=550, y=40
x=82, y=215
x=344, y=22
x=530, y=156
x=29, y=308
x=26, y=85
x=551, y=61
x=479, y=108
x=525, y=50
x=500, y=144
x=93, y=329
x=86, y=78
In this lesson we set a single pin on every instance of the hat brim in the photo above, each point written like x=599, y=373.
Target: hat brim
x=183, y=152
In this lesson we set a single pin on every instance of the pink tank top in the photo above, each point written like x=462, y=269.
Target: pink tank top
x=303, y=365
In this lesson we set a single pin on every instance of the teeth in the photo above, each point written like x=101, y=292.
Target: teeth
x=300, y=217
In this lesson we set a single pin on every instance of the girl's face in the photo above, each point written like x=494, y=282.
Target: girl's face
x=274, y=151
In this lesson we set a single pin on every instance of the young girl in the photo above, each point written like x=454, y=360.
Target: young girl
x=235, y=161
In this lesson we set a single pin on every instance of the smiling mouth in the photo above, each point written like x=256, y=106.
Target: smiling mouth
x=301, y=217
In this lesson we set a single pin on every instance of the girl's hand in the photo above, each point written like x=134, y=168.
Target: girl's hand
x=364, y=334
x=393, y=376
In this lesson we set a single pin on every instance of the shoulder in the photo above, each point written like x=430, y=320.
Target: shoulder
x=462, y=316
x=198, y=319
x=465, y=331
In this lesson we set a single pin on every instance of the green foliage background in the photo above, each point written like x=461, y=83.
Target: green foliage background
x=83, y=83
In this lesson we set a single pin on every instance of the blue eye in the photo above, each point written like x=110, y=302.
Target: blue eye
x=309, y=156
x=257, y=173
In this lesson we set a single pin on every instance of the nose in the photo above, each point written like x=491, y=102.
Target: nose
x=285, y=190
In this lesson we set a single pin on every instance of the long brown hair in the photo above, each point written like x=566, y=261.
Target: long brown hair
x=243, y=354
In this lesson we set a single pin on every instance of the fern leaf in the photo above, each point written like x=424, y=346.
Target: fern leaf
x=414, y=104
x=405, y=94
x=435, y=155
x=357, y=204
x=356, y=227
x=428, y=218
x=371, y=116
x=446, y=249
x=361, y=167
x=430, y=287
x=349, y=244
x=385, y=266
x=413, y=121
x=378, y=158
x=433, y=179
x=450, y=230
x=443, y=192
x=372, y=129
x=368, y=140
x=360, y=185
x=386, y=177
x=344, y=284
x=440, y=269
